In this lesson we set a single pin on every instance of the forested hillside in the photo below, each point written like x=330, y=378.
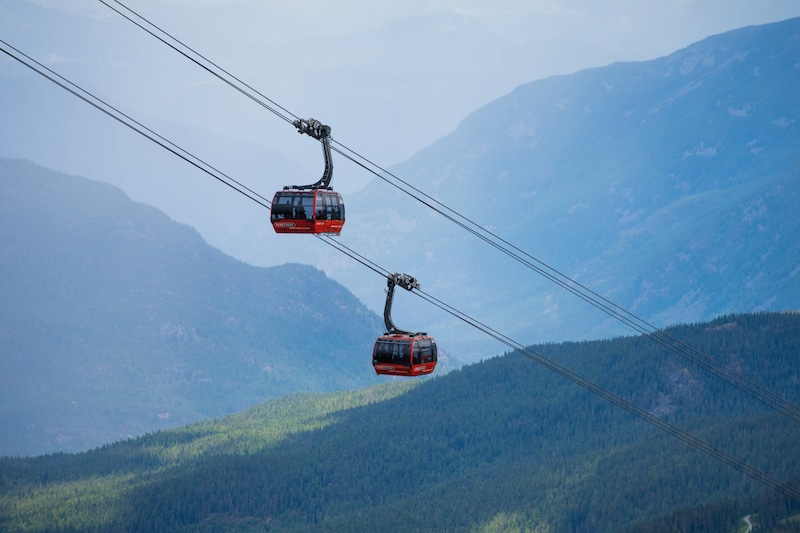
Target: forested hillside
x=503, y=445
x=115, y=320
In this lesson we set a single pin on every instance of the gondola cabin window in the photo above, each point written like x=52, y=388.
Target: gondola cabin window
x=393, y=352
x=330, y=206
x=424, y=351
x=293, y=206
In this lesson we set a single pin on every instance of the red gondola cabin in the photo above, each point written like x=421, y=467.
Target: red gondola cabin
x=404, y=355
x=307, y=211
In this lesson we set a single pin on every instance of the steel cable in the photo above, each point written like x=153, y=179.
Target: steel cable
x=638, y=324
x=576, y=378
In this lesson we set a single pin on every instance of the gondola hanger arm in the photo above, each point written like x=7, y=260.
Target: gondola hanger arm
x=316, y=129
x=408, y=283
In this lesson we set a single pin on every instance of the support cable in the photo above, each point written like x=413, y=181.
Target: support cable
x=687, y=352
x=638, y=324
x=576, y=378
x=129, y=122
x=675, y=431
x=187, y=52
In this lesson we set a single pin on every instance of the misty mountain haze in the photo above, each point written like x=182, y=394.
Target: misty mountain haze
x=667, y=186
x=116, y=321
x=660, y=184
x=396, y=79
x=417, y=67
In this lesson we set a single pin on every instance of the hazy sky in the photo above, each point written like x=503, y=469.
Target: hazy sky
x=390, y=76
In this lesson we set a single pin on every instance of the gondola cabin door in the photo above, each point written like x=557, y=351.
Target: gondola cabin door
x=404, y=355
x=307, y=211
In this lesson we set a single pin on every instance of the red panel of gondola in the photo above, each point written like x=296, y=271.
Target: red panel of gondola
x=307, y=211
x=404, y=355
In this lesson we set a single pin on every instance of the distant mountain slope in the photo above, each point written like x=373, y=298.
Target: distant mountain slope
x=503, y=445
x=669, y=186
x=115, y=320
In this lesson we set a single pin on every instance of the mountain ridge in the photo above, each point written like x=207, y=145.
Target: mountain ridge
x=642, y=181
x=116, y=320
